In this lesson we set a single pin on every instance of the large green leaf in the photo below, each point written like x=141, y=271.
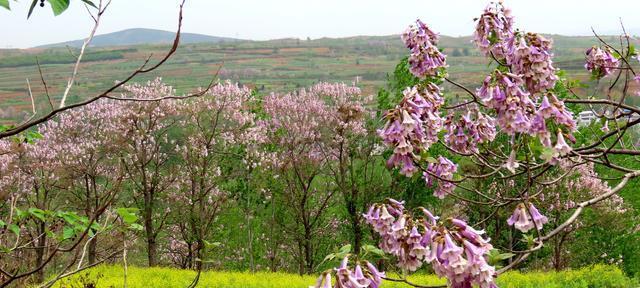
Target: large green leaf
x=5, y=4
x=68, y=233
x=128, y=215
x=38, y=213
x=58, y=6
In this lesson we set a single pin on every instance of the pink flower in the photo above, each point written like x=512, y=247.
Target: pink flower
x=493, y=29
x=531, y=57
x=425, y=58
x=600, y=62
x=441, y=173
x=520, y=219
x=538, y=218
x=512, y=164
x=561, y=147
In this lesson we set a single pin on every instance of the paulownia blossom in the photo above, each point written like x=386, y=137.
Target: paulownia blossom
x=425, y=58
x=530, y=56
x=494, y=28
x=359, y=277
x=454, y=249
x=505, y=93
x=413, y=126
x=525, y=219
x=600, y=62
x=9, y=169
x=471, y=129
x=518, y=113
x=441, y=172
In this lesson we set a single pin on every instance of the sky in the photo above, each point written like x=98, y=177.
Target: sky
x=273, y=19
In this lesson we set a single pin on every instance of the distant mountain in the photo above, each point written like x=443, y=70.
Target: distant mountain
x=139, y=36
x=634, y=31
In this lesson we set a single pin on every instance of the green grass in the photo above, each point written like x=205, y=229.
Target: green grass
x=598, y=276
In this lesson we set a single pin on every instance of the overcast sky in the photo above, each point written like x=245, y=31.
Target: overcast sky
x=271, y=19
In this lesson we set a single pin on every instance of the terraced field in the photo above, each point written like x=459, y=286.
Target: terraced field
x=277, y=65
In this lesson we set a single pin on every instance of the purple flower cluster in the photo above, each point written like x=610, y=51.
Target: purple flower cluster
x=525, y=219
x=517, y=113
x=494, y=29
x=471, y=129
x=600, y=62
x=530, y=56
x=412, y=126
x=441, y=172
x=514, y=108
x=456, y=251
x=356, y=278
x=425, y=58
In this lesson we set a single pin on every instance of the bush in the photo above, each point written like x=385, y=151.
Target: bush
x=598, y=276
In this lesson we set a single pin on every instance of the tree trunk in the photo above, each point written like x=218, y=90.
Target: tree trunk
x=308, y=250
x=355, y=227
x=557, y=256
x=152, y=249
x=41, y=243
x=93, y=249
x=300, y=259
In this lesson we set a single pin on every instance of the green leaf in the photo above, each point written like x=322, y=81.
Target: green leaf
x=373, y=250
x=329, y=257
x=15, y=229
x=210, y=244
x=136, y=226
x=68, y=233
x=38, y=213
x=58, y=6
x=505, y=256
x=2, y=224
x=345, y=249
x=128, y=215
x=21, y=214
x=90, y=3
x=70, y=217
x=5, y=4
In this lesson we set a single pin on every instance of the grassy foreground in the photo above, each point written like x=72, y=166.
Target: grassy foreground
x=599, y=276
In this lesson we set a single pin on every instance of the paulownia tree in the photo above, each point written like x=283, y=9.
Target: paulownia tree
x=307, y=131
x=516, y=127
x=219, y=129
x=146, y=154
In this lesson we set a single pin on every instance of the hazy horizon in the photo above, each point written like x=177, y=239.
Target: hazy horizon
x=267, y=20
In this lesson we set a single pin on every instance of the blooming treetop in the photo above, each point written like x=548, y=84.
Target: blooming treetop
x=519, y=99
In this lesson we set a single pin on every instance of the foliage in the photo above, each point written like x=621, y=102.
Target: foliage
x=57, y=6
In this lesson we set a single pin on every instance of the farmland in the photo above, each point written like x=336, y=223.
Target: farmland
x=266, y=66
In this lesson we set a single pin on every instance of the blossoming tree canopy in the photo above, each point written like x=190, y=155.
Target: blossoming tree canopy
x=515, y=126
